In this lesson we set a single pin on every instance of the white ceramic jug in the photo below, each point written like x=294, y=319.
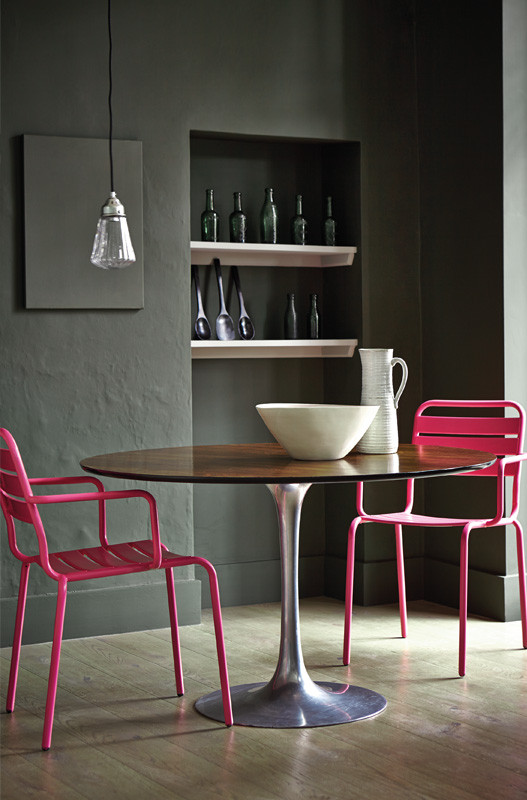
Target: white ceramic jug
x=377, y=390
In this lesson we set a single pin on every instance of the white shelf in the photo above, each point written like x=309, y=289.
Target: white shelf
x=271, y=255
x=275, y=348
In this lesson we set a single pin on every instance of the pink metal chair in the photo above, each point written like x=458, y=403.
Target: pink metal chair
x=502, y=436
x=19, y=503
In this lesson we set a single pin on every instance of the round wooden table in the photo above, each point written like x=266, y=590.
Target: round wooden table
x=290, y=699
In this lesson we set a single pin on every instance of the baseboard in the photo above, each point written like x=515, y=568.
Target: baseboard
x=260, y=582
x=375, y=582
x=493, y=596
x=95, y=612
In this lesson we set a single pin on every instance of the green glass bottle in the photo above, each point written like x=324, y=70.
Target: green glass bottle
x=237, y=220
x=291, y=319
x=269, y=220
x=313, y=321
x=299, y=224
x=209, y=219
x=329, y=228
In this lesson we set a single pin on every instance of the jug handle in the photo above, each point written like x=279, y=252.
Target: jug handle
x=404, y=378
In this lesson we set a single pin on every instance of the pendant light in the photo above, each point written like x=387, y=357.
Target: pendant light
x=112, y=246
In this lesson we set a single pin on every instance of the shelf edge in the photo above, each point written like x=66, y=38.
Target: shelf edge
x=274, y=348
x=269, y=255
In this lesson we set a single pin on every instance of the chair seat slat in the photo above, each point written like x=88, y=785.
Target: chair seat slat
x=58, y=565
x=95, y=558
x=102, y=557
x=76, y=560
x=145, y=546
x=130, y=554
x=404, y=518
x=167, y=557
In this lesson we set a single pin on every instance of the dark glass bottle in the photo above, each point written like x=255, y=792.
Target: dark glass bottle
x=328, y=227
x=269, y=220
x=299, y=224
x=237, y=220
x=291, y=319
x=209, y=219
x=313, y=320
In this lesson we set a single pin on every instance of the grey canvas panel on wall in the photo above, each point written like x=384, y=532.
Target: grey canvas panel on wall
x=66, y=181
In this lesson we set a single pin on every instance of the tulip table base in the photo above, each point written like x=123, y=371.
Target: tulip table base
x=291, y=699
x=295, y=705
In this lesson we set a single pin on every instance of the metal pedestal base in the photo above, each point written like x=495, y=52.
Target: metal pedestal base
x=291, y=699
x=260, y=705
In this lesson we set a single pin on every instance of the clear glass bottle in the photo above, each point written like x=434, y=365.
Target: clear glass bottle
x=237, y=220
x=291, y=319
x=209, y=219
x=328, y=227
x=299, y=224
x=313, y=320
x=269, y=220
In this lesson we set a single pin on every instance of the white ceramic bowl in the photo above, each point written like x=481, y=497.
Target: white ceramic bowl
x=315, y=431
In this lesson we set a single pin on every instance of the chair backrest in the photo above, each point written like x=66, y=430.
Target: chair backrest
x=474, y=425
x=15, y=488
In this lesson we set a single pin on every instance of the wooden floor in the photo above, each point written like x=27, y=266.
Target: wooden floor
x=121, y=732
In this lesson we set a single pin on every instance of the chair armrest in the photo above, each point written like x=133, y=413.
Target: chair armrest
x=52, y=499
x=67, y=480
x=48, y=499
x=501, y=518
x=79, y=480
x=512, y=459
x=359, y=502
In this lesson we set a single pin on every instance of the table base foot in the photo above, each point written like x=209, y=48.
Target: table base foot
x=261, y=705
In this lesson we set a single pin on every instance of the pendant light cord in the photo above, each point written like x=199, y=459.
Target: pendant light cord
x=110, y=48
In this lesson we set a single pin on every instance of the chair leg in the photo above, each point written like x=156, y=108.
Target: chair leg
x=463, y=599
x=220, y=643
x=350, y=568
x=17, y=638
x=521, y=578
x=54, y=666
x=176, y=650
x=401, y=578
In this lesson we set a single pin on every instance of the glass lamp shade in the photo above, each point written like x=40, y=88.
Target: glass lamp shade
x=112, y=246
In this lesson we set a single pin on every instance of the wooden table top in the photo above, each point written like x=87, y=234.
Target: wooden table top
x=269, y=463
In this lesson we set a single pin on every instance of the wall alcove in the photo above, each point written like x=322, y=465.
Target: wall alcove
x=237, y=525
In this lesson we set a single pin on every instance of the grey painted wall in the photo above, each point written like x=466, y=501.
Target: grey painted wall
x=81, y=382
x=85, y=382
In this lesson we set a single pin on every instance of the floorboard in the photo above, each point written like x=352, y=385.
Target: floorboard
x=121, y=731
